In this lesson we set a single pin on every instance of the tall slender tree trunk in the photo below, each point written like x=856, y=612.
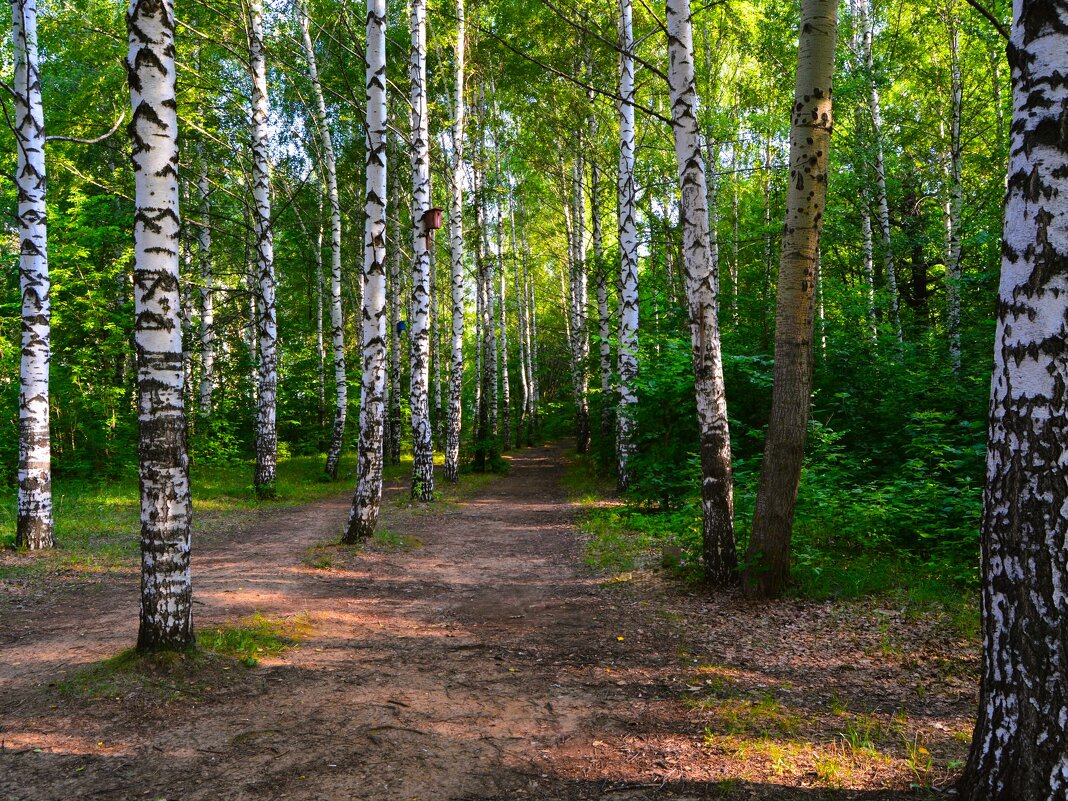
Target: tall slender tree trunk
x=859, y=66
x=604, y=320
x=702, y=289
x=882, y=204
x=765, y=184
x=337, y=320
x=320, y=348
x=580, y=307
x=534, y=381
x=456, y=261
x=207, y=290
x=266, y=424
x=419, y=335
x=768, y=558
x=954, y=199
x=34, y=527
x=502, y=299
x=521, y=331
x=436, y=421
x=367, y=500
x=395, y=290
x=166, y=620
x=1020, y=746
x=735, y=288
x=628, y=251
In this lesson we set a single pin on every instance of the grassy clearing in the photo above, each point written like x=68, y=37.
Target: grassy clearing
x=97, y=523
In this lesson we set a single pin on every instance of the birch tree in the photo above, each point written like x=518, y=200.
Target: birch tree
x=422, y=433
x=628, y=250
x=166, y=508
x=367, y=501
x=702, y=289
x=580, y=348
x=266, y=424
x=810, y=136
x=1020, y=746
x=337, y=320
x=953, y=201
x=456, y=261
x=207, y=293
x=34, y=528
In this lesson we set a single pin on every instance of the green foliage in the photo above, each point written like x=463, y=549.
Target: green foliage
x=255, y=637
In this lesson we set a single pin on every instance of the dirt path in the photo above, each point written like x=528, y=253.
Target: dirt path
x=485, y=664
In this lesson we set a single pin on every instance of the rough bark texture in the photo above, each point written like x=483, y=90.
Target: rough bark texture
x=337, y=320
x=166, y=510
x=702, y=285
x=953, y=193
x=422, y=433
x=266, y=407
x=628, y=250
x=456, y=262
x=521, y=331
x=502, y=299
x=604, y=320
x=368, y=497
x=34, y=528
x=1020, y=745
x=810, y=135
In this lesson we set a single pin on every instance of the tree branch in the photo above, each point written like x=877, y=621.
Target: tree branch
x=990, y=16
x=96, y=141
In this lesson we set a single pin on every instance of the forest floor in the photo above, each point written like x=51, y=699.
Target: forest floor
x=469, y=653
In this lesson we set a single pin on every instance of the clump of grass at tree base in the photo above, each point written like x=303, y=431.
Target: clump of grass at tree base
x=157, y=677
x=255, y=637
x=98, y=522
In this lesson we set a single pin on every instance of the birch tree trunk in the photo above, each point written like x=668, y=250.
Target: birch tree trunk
x=810, y=135
x=882, y=205
x=502, y=319
x=34, y=527
x=419, y=334
x=456, y=261
x=337, y=320
x=859, y=65
x=367, y=500
x=1020, y=746
x=953, y=200
x=533, y=349
x=394, y=290
x=320, y=348
x=702, y=288
x=521, y=329
x=604, y=321
x=266, y=426
x=166, y=509
x=207, y=289
x=579, y=308
x=628, y=250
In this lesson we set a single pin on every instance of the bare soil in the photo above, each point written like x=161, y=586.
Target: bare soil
x=486, y=662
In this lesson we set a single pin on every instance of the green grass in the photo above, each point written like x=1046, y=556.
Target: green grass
x=98, y=523
x=255, y=637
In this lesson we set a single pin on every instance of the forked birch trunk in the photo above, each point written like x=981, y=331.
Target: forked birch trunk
x=768, y=557
x=1020, y=746
x=628, y=251
x=367, y=501
x=266, y=424
x=166, y=510
x=702, y=287
x=337, y=320
x=34, y=526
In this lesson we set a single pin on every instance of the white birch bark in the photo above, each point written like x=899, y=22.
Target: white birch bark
x=266, y=423
x=166, y=509
x=882, y=204
x=34, y=526
x=954, y=193
x=1020, y=745
x=521, y=335
x=395, y=290
x=702, y=287
x=207, y=289
x=580, y=356
x=456, y=261
x=604, y=321
x=535, y=388
x=367, y=501
x=502, y=317
x=337, y=320
x=419, y=334
x=859, y=65
x=628, y=250
x=320, y=348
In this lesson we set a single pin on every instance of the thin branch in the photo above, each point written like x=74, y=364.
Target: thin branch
x=990, y=16
x=97, y=140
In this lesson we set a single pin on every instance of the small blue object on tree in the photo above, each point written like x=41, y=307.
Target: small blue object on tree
x=402, y=326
